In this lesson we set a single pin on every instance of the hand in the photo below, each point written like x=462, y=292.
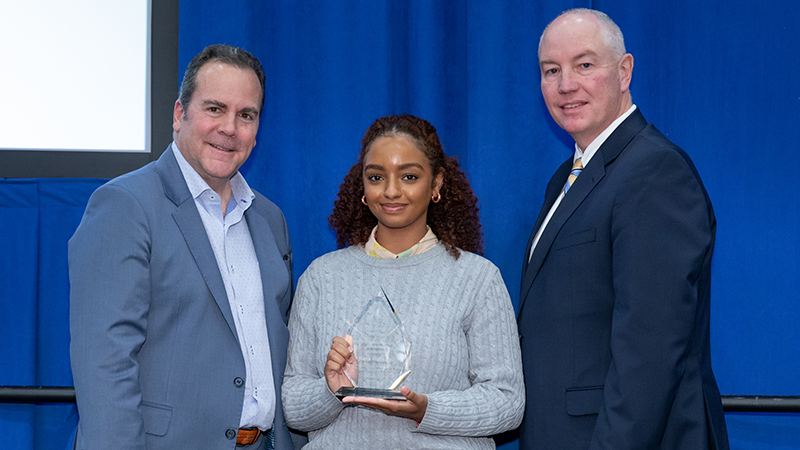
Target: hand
x=413, y=408
x=340, y=357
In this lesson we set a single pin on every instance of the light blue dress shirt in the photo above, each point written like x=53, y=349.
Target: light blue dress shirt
x=236, y=257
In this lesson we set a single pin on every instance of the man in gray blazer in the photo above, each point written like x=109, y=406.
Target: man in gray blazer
x=181, y=281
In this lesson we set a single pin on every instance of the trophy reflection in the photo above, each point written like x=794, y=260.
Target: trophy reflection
x=381, y=349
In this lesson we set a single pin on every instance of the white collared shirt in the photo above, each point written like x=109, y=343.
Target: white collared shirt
x=236, y=258
x=586, y=156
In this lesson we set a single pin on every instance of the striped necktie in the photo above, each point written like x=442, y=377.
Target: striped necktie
x=573, y=175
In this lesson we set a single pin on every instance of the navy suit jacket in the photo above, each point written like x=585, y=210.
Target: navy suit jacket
x=155, y=355
x=614, y=304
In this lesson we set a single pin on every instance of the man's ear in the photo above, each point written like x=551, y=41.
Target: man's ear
x=625, y=71
x=177, y=116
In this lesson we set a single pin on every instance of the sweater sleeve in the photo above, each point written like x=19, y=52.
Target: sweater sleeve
x=496, y=400
x=308, y=403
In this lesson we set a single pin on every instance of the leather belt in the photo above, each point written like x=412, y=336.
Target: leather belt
x=247, y=436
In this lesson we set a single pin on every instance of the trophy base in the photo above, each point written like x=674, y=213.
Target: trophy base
x=367, y=392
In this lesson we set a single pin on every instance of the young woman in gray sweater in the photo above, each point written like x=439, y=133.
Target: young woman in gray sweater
x=408, y=221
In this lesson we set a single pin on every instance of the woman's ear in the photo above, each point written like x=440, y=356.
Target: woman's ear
x=438, y=182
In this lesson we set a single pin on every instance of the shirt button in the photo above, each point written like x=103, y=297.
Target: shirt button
x=238, y=382
x=230, y=433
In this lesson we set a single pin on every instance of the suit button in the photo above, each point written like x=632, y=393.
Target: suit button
x=238, y=382
x=230, y=434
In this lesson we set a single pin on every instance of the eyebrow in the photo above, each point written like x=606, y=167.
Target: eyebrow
x=402, y=166
x=585, y=54
x=215, y=103
x=411, y=165
x=222, y=105
x=579, y=56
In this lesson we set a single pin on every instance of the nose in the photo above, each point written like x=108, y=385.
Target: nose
x=567, y=82
x=392, y=188
x=228, y=125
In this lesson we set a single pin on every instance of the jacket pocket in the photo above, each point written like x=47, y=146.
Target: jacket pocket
x=581, y=237
x=156, y=418
x=584, y=401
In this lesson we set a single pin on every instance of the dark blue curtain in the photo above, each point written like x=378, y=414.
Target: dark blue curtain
x=718, y=78
x=37, y=218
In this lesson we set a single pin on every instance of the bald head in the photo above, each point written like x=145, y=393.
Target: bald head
x=612, y=35
x=585, y=73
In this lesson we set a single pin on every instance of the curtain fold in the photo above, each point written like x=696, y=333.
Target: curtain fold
x=713, y=76
x=37, y=218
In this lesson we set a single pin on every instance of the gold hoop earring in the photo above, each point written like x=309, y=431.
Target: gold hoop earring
x=436, y=198
x=364, y=200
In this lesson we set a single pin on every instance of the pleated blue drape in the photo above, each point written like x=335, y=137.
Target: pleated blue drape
x=719, y=78
x=37, y=218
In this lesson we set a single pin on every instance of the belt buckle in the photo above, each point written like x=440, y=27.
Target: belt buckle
x=247, y=436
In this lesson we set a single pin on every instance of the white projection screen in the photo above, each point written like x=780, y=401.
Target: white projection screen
x=88, y=86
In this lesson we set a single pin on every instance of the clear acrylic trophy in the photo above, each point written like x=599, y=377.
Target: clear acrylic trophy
x=382, y=351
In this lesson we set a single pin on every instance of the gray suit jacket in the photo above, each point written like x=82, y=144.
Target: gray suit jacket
x=155, y=355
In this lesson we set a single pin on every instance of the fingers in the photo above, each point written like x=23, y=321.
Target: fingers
x=344, y=347
x=413, y=409
x=341, y=351
x=391, y=407
x=338, y=356
x=418, y=400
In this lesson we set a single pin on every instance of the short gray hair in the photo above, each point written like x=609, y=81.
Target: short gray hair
x=612, y=35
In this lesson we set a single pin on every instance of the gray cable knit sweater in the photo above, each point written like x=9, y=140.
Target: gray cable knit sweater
x=465, y=350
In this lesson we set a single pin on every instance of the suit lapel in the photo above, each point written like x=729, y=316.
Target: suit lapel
x=270, y=261
x=271, y=265
x=591, y=175
x=588, y=179
x=551, y=195
x=194, y=233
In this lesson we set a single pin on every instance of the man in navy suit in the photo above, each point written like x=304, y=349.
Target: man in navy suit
x=181, y=281
x=614, y=303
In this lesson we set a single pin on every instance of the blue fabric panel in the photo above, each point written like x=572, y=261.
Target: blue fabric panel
x=37, y=218
x=713, y=76
x=19, y=230
x=716, y=77
x=61, y=205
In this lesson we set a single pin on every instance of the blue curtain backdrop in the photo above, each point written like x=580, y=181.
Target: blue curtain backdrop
x=37, y=218
x=718, y=78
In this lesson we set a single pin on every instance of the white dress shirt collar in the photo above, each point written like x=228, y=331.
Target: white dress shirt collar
x=587, y=154
x=240, y=190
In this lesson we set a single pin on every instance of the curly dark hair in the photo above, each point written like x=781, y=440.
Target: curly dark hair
x=454, y=219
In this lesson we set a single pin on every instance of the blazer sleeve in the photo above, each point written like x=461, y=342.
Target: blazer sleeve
x=662, y=233
x=109, y=303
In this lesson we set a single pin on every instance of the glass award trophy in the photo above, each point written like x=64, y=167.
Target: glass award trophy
x=382, y=350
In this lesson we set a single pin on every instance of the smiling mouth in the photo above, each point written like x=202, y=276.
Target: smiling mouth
x=393, y=207
x=574, y=105
x=221, y=148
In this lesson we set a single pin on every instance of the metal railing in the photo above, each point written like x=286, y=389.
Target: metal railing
x=730, y=403
x=37, y=394
x=761, y=403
